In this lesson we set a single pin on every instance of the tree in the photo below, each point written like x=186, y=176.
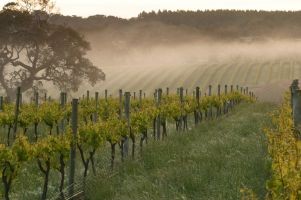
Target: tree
x=32, y=50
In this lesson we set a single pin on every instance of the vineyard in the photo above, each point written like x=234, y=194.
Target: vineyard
x=257, y=73
x=92, y=108
x=55, y=142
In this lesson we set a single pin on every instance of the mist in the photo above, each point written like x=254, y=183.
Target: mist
x=182, y=64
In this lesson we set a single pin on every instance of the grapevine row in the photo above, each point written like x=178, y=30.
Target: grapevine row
x=92, y=123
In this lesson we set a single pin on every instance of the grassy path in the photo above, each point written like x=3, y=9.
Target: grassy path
x=212, y=161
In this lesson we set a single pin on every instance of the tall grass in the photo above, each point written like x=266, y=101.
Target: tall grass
x=213, y=161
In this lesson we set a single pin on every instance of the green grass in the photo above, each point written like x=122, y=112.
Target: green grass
x=212, y=161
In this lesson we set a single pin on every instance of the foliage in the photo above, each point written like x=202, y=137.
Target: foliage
x=285, y=151
x=37, y=51
x=11, y=161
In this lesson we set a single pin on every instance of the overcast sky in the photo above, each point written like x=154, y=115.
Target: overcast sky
x=131, y=8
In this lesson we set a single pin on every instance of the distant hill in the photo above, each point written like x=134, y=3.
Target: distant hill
x=217, y=24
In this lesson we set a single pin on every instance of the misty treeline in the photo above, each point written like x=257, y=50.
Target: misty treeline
x=34, y=51
x=220, y=24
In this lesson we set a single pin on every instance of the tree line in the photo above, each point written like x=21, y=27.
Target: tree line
x=222, y=24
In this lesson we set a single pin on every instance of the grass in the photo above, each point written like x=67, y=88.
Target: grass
x=213, y=161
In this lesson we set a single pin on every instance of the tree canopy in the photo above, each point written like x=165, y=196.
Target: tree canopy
x=34, y=51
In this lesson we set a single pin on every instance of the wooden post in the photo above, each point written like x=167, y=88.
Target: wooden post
x=120, y=103
x=21, y=99
x=155, y=94
x=62, y=100
x=36, y=99
x=144, y=95
x=247, y=90
x=182, y=123
x=88, y=95
x=297, y=109
x=231, y=101
x=1, y=103
x=140, y=97
x=106, y=94
x=74, y=118
x=293, y=88
x=45, y=97
x=226, y=103
x=96, y=106
x=181, y=94
x=127, y=116
x=134, y=95
x=159, y=95
x=237, y=88
x=17, y=110
x=209, y=94
x=186, y=92
x=219, y=109
x=197, y=95
x=62, y=105
x=65, y=97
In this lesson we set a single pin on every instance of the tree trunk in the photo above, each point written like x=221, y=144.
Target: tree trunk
x=57, y=128
x=85, y=162
x=92, y=161
x=154, y=128
x=133, y=145
x=86, y=165
x=50, y=131
x=185, y=118
x=36, y=131
x=141, y=142
x=7, y=183
x=177, y=124
x=62, y=171
x=24, y=131
x=8, y=135
x=46, y=177
x=113, y=154
x=121, y=150
x=164, y=129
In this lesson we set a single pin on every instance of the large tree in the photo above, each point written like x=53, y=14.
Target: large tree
x=34, y=51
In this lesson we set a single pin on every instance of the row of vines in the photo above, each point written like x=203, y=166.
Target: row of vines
x=42, y=134
x=284, y=148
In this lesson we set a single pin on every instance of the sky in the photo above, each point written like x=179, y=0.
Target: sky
x=131, y=8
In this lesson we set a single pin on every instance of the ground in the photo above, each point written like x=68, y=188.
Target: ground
x=211, y=161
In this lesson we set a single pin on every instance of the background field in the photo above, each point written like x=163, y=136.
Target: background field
x=266, y=68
